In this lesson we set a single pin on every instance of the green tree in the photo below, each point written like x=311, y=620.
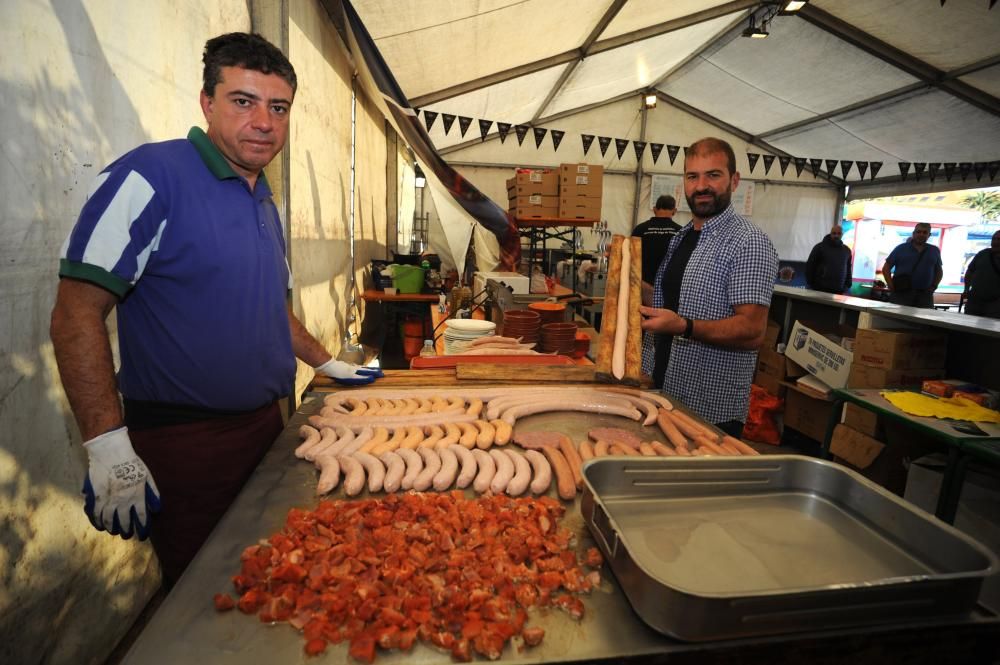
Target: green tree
x=986, y=203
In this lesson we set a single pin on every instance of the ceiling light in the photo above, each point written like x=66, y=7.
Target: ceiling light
x=650, y=101
x=753, y=31
x=795, y=5
x=419, y=179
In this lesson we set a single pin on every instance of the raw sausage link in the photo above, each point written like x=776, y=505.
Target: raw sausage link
x=487, y=469
x=601, y=449
x=739, y=445
x=329, y=473
x=327, y=438
x=730, y=449
x=445, y=478
x=432, y=464
x=619, y=449
x=670, y=430
x=434, y=434
x=586, y=450
x=503, y=430
x=310, y=437
x=663, y=450
x=486, y=434
x=475, y=407
x=646, y=449
x=395, y=467
x=374, y=469
x=398, y=434
x=564, y=475
x=469, y=434
x=354, y=475
x=542, y=470
x=414, y=465
x=505, y=471
x=511, y=414
x=414, y=435
x=522, y=472
x=451, y=435
x=569, y=451
x=469, y=466
x=354, y=443
x=380, y=435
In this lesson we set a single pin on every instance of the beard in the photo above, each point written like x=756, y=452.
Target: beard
x=705, y=209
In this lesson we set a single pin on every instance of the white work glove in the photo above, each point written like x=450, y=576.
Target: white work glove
x=348, y=373
x=119, y=489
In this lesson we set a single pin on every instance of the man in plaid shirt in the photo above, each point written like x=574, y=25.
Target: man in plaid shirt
x=711, y=296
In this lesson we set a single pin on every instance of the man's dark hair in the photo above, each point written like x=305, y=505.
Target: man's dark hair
x=666, y=202
x=922, y=225
x=249, y=51
x=710, y=145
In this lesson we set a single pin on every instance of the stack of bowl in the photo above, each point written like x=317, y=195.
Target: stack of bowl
x=460, y=332
x=558, y=338
x=522, y=323
x=551, y=312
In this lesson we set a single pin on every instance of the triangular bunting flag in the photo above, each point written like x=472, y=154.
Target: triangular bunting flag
x=862, y=168
x=831, y=164
x=620, y=145
x=875, y=168
x=964, y=168
x=752, y=158
x=604, y=142
x=783, y=162
x=655, y=149
x=503, y=128
x=448, y=119
x=557, y=137
x=845, y=167
x=918, y=169
x=588, y=140
x=994, y=167
x=686, y=148
x=672, y=151
x=429, y=118
x=768, y=160
x=463, y=124
x=540, y=133
x=640, y=147
x=484, y=128
x=416, y=112
x=933, y=168
x=800, y=163
x=904, y=169
x=949, y=170
x=979, y=168
x=521, y=131
x=815, y=164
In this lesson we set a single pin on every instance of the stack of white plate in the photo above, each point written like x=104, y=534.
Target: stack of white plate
x=460, y=332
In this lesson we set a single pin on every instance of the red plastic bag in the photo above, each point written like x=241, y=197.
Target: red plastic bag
x=761, y=425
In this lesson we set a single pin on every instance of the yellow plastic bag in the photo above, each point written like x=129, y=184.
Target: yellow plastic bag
x=956, y=408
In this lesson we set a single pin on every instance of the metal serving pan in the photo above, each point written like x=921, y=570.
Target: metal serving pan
x=713, y=548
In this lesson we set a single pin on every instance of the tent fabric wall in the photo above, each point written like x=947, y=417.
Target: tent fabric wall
x=88, y=82
x=794, y=217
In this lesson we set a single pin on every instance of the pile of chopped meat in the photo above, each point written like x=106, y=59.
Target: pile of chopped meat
x=458, y=574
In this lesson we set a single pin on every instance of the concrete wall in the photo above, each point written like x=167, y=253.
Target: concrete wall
x=83, y=82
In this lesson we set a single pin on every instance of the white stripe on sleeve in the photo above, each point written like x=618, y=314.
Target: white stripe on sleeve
x=112, y=231
x=143, y=257
x=94, y=186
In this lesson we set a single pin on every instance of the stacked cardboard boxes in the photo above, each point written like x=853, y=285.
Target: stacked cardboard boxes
x=581, y=189
x=533, y=194
x=771, y=364
x=888, y=358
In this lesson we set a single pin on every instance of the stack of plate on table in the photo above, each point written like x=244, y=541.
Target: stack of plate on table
x=460, y=332
x=523, y=323
x=558, y=338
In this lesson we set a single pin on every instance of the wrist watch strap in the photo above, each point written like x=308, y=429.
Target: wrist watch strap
x=688, y=328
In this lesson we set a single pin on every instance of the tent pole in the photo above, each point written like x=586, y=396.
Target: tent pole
x=638, y=168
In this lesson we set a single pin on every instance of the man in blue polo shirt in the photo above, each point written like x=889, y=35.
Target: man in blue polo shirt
x=183, y=239
x=913, y=271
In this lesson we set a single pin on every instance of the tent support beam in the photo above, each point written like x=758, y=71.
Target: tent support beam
x=736, y=131
x=900, y=59
x=638, y=168
x=569, y=56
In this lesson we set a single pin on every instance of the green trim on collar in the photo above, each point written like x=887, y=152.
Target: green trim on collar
x=213, y=159
x=94, y=275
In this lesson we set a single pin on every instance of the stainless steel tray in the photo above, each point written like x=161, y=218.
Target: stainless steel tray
x=715, y=548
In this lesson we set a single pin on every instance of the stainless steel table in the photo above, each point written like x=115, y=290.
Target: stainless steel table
x=187, y=629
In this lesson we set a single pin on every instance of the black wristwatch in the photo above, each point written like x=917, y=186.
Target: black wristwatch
x=688, y=329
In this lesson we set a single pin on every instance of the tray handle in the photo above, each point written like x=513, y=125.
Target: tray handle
x=601, y=526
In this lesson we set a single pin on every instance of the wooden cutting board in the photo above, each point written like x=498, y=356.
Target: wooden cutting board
x=525, y=373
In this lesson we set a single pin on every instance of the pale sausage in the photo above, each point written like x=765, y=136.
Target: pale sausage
x=621, y=330
x=542, y=472
x=414, y=465
x=468, y=468
x=353, y=443
x=486, y=434
x=327, y=438
x=432, y=464
x=414, y=435
x=380, y=435
x=487, y=469
x=344, y=437
x=469, y=434
x=434, y=434
x=354, y=475
x=374, y=469
x=445, y=477
x=451, y=435
x=503, y=432
x=522, y=473
x=475, y=407
x=329, y=473
x=505, y=471
x=310, y=437
x=511, y=414
x=395, y=468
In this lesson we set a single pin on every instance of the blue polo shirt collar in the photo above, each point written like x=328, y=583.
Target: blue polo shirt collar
x=217, y=163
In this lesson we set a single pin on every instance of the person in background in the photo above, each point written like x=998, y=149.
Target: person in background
x=982, y=281
x=913, y=271
x=656, y=233
x=711, y=296
x=829, y=265
x=183, y=240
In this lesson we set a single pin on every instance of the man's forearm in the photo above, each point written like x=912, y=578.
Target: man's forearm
x=306, y=347
x=737, y=332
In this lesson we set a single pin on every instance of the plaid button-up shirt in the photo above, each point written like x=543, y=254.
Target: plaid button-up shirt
x=733, y=264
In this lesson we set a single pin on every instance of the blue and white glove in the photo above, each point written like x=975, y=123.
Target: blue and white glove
x=348, y=373
x=119, y=491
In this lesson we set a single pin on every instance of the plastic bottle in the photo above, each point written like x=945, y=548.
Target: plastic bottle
x=428, y=350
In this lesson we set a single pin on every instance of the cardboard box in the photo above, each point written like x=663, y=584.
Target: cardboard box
x=865, y=376
x=856, y=449
x=581, y=180
x=793, y=370
x=770, y=383
x=772, y=363
x=578, y=209
x=820, y=355
x=895, y=349
x=526, y=183
x=864, y=421
x=771, y=335
x=806, y=414
x=534, y=201
x=534, y=212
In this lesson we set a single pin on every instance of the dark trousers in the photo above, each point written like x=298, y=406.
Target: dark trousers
x=914, y=298
x=733, y=428
x=199, y=469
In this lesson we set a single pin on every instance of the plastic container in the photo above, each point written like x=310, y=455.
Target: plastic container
x=428, y=350
x=408, y=279
x=413, y=336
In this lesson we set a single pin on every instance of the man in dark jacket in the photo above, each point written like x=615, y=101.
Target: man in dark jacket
x=656, y=234
x=829, y=265
x=982, y=282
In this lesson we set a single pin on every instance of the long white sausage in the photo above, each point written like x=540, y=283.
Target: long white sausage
x=511, y=415
x=505, y=471
x=432, y=464
x=329, y=473
x=395, y=467
x=522, y=473
x=358, y=423
x=445, y=478
x=354, y=475
x=344, y=438
x=310, y=437
x=414, y=465
x=327, y=438
x=542, y=472
x=469, y=466
x=621, y=330
x=355, y=443
x=487, y=469
x=373, y=468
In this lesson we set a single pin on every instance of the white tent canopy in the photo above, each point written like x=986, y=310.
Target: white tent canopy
x=883, y=80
